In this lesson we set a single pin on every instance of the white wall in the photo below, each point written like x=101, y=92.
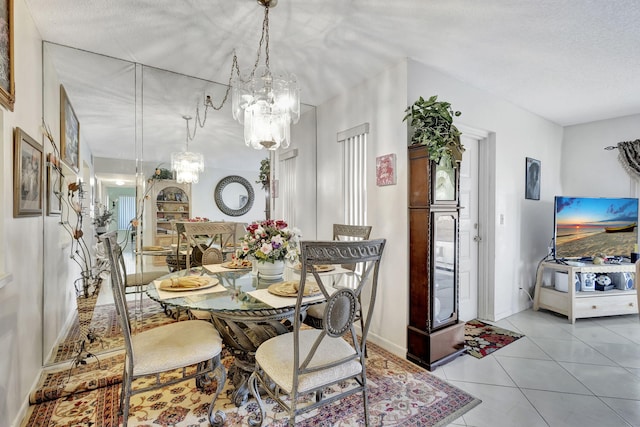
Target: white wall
x=303, y=138
x=380, y=102
x=528, y=225
x=21, y=299
x=522, y=240
x=590, y=171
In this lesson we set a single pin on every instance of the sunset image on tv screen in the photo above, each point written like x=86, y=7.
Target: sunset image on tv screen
x=586, y=227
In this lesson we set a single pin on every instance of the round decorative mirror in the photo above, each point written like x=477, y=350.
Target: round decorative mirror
x=234, y=195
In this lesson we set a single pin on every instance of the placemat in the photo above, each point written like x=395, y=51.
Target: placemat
x=218, y=268
x=168, y=294
x=280, y=302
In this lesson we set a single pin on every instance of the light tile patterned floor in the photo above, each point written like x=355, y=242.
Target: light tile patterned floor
x=581, y=375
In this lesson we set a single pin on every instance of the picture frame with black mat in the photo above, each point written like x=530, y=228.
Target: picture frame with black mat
x=532, y=179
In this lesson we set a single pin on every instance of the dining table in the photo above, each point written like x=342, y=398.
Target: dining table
x=242, y=308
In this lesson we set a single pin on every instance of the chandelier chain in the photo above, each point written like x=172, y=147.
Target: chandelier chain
x=208, y=102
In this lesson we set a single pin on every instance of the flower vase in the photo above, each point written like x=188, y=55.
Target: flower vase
x=268, y=270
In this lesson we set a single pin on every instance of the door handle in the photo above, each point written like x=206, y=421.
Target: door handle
x=477, y=239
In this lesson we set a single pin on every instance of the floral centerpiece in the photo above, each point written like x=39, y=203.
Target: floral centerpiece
x=269, y=241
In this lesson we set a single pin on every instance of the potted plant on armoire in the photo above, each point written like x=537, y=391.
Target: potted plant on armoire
x=435, y=334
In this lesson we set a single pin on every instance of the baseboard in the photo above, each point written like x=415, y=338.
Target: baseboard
x=25, y=404
x=388, y=345
x=68, y=323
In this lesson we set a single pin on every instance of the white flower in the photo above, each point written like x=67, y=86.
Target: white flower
x=266, y=248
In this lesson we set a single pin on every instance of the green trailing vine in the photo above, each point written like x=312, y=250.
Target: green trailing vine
x=265, y=171
x=432, y=124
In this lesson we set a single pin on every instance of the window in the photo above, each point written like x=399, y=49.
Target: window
x=354, y=169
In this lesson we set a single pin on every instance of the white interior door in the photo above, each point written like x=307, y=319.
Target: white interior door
x=469, y=229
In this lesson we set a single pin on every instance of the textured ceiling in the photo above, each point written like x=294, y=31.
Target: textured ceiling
x=570, y=61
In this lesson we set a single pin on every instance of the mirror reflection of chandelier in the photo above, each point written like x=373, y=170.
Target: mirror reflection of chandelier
x=186, y=164
x=266, y=103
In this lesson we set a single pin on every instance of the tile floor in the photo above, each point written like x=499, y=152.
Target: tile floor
x=558, y=375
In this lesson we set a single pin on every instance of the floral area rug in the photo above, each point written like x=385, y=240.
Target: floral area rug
x=105, y=326
x=400, y=394
x=482, y=338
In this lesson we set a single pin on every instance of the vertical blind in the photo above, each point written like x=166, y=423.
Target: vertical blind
x=126, y=211
x=354, y=169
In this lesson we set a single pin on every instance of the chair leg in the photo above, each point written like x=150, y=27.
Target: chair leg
x=365, y=397
x=125, y=407
x=122, y=389
x=256, y=420
x=217, y=418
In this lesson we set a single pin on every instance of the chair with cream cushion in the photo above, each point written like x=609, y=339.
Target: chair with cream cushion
x=192, y=346
x=304, y=361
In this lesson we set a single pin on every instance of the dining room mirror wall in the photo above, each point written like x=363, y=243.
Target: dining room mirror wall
x=102, y=93
x=131, y=120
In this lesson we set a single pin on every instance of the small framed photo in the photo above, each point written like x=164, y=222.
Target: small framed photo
x=27, y=175
x=54, y=185
x=532, y=179
x=69, y=133
x=7, y=80
x=386, y=170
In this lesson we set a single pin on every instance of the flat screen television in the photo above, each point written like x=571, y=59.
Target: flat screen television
x=590, y=226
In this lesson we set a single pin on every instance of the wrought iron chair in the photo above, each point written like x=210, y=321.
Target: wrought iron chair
x=166, y=348
x=351, y=232
x=212, y=256
x=135, y=282
x=209, y=256
x=310, y=360
x=202, y=235
x=341, y=232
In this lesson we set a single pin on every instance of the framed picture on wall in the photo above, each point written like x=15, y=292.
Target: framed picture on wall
x=69, y=133
x=386, y=170
x=54, y=184
x=7, y=83
x=532, y=180
x=27, y=175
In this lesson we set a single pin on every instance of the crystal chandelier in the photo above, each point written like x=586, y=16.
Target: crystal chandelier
x=266, y=103
x=186, y=164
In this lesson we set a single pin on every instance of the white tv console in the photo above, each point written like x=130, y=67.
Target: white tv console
x=577, y=304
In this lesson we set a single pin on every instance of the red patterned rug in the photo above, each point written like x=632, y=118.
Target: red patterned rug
x=400, y=394
x=482, y=338
x=105, y=326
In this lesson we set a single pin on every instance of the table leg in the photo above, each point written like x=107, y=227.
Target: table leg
x=243, y=335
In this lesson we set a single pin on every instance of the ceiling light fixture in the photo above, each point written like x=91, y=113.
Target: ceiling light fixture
x=265, y=102
x=186, y=164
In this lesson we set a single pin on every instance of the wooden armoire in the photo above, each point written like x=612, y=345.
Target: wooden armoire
x=435, y=335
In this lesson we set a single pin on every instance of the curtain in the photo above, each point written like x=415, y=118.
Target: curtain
x=629, y=157
x=126, y=211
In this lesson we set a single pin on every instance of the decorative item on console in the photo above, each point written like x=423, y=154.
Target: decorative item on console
x=587, y=282
x=603, y=283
